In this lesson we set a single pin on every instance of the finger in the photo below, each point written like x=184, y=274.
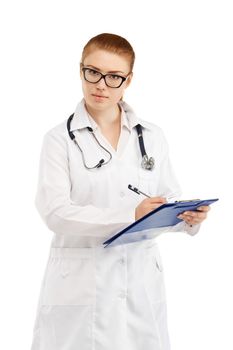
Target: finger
x=195, y=221
x=194, y=218
x=190, y=220
x=158, y=200
x=193, y=214
x=204, y=208
x=196, y=214
x=155, y=206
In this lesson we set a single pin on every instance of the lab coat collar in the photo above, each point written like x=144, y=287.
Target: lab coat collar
x=82, y=118
x=132, y=118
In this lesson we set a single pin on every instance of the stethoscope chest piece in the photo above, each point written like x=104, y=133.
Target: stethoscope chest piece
x=147, y=163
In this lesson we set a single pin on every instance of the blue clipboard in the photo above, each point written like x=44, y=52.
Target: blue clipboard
x=163, y=216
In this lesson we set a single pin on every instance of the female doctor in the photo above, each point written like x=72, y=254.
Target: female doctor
x=96, y=298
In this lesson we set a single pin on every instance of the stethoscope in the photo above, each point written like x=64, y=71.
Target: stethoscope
x=147, y=163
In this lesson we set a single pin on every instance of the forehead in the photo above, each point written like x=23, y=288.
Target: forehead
x=107, y=61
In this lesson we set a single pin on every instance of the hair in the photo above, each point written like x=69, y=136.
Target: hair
x=112, y=43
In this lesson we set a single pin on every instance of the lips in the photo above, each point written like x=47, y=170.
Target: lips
x=99, y=96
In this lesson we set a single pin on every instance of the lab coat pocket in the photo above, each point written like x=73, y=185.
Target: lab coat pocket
x=154, y=276
x=158, y=261
x=69, y=280
x=156, y=257
x=148, y=181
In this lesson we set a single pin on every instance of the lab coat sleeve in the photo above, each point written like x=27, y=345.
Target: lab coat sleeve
x=170, y=188
x=55, y=206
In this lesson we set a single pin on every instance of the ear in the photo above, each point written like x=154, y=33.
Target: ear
x=129, y=79
x=80, y=70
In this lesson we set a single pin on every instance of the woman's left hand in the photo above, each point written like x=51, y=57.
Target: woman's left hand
x=195, y=217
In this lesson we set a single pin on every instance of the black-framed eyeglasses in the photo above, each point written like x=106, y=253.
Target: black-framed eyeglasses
x=111, y=80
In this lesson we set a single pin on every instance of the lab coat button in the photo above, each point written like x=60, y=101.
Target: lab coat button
x=122, y=194
x=122, y=295
x=122, y=261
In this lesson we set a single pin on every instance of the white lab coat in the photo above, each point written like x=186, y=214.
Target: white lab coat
x=95, y=298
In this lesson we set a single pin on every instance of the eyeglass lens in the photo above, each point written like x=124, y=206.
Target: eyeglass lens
x=112, y=80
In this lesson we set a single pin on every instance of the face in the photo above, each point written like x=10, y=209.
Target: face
x=99, y=96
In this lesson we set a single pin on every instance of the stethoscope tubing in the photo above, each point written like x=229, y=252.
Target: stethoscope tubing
x=147, y=163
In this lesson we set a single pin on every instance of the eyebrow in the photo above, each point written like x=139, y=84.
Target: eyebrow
x=112, y=71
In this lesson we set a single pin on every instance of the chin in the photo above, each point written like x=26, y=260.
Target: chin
x=99, y=105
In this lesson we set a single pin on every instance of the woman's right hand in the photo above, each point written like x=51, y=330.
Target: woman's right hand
x=147, y=205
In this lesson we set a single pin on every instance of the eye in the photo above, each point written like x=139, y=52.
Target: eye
x=114, y=77
x=92, y=72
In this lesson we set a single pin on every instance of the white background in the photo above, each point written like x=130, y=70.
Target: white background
x=183, y=81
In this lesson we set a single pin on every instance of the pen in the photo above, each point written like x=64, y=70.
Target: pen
x=136, y=190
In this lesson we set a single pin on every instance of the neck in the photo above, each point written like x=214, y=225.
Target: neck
x=105, y=118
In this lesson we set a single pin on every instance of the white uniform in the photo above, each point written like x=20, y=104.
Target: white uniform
x=95, y=298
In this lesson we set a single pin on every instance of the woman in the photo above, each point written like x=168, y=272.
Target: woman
x=92, y=297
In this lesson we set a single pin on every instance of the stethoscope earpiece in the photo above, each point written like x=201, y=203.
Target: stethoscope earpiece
x=147, y=163
x=100, y=163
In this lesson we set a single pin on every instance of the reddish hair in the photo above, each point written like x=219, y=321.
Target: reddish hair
x=112, y=43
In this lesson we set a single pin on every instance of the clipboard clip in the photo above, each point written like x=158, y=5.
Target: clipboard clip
x=188, y=200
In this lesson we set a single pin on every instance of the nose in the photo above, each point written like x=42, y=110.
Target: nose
x=101, y=84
